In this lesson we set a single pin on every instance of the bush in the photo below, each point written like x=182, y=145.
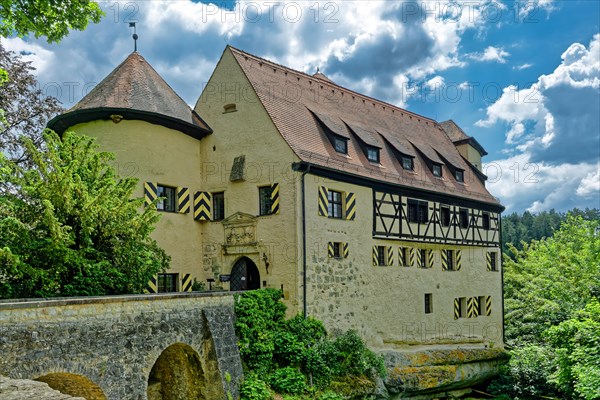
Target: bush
x=329, y=395
x=253, y=388
x=288, y=380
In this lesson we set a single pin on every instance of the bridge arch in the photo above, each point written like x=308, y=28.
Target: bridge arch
x=177, y=374
x=74, y=385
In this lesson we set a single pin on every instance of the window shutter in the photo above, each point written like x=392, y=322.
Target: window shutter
x=420, y=259
x=375, y=256
x=470, y=307
x=488, y=305
x=401, y=255
x=275, y=198
x=412, y=257
x=345, y=249
x=489, y=261
x=458, y=259
x=202, y=206
x=475, y=307
x=350, y=206
x=183, y=200
x=390, y=255
x=430, y=256
x=186, y=283
x=151, y=286
x=444, y=260
x=150, y=193
x=330, y=252
x=323, y=202
x=456, y=308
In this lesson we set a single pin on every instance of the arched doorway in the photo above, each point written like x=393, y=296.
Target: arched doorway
x=73, y=385
x=177, y=375
x=244, y=275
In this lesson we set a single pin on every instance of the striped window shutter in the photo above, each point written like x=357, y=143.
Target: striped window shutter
x=456, y=308
x=375, y=256
x=323, y=201
x=275, y=198
x=430, y=258
x=202, y=206
x=345, y=249
x=475, y=306
x=488, y=305
x=401, y=255
x=444, y=260
x=471, y=307
x=489, y=261
x=350, y=206
x=420, y=259
x=183, y=200
x=458, y=259
x=152, y=285
x=411, y=257
x=390, y=255
x=186, y=283
x=150, y=192
x=330, y=252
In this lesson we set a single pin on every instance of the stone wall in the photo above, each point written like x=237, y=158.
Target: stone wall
x=115, y=342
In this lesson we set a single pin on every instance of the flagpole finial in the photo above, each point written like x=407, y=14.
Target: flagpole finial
x=135, y=36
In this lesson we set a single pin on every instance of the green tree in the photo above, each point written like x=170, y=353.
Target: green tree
x=50, y=18
x=69, y=225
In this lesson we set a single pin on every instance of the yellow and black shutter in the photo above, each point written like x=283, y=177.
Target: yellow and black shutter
x=489, y=260
x=458, y=259
x=375, y=256
x=202, y=206
x=183, y=200
x=457, y=308
x=488, y=305
x=444, y=260
x=186, y=283
x=350, y=206
x=411, y=260
x=323, y=201
x=275, y=198
x=150, y=192
x=401, y=256
x=330, y=251
x=430, y=258
x=345, y=250
x=472, y=307
x=152, y=286
x=390, y=256
x=420, y=259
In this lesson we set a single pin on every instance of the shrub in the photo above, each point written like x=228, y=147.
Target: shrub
x=329, y=395
x=253, y=388
x=288, y=380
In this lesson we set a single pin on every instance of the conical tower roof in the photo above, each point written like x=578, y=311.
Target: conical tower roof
x=134, y=90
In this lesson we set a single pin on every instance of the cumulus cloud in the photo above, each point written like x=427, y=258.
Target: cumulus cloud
x=491, y=53
x=554, y=127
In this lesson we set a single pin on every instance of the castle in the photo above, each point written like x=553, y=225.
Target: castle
x=365, y=215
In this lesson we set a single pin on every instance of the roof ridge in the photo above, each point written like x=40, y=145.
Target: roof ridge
x=331, y=83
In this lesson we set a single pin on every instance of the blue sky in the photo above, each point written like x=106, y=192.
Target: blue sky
x=522, y=77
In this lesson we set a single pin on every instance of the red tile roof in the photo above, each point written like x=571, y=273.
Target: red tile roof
x=302, y=107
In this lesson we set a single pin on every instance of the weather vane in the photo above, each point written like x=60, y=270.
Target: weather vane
x=135, y=36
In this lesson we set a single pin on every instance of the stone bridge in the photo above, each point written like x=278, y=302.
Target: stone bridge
x=179, y=346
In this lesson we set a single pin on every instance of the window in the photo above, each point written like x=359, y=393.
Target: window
x=381, y=256
x=486, y=221
x=167, y=283
x=334, y=207
x=463, y=218
x=407, y=163
x=167, y=197
x=340, y=145
x=481, y=306
x=450, y=260
x=445, y=216
x=424, y=261
x=404, y=256
x=266, y=202
x=218, y=206
x=337, y=249
x=373, y=154
x=436, y=169
x=463, y=307
x=459, y=175
x=418, y=211
x=428, y=303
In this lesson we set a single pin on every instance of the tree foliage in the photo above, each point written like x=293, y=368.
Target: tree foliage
x=50, y=18
x=70, y=227
x=26, y=109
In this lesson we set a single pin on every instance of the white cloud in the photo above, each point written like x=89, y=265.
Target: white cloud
x=523, y=66
x=491, y=53
x=589, y=185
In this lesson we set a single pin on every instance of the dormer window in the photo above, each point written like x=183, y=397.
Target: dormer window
x=407, y=163
x=340, y=144
x=436, y=169
x=459, y=175
x=373, y=154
